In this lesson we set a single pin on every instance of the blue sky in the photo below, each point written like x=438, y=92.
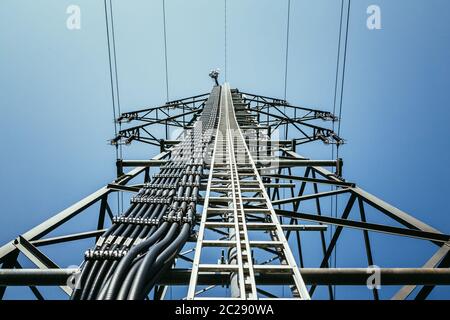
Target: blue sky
x=57, y=115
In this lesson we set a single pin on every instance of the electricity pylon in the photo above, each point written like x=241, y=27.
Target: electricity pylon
x=215, y=220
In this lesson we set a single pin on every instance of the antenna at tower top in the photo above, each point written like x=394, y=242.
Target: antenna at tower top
x=214, y=74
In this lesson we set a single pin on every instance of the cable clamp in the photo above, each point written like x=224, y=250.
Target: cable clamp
x=138, y=199
x=104, y=254
x=188, y=220
x=167, y=175
x=174, y=166
x=187, y=199
x=100, y=241
x=189, y=184
x=135, y=220
x=172, y=218
x=160, y=186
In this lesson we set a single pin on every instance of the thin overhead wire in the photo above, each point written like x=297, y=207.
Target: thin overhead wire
x=113, y=35
x=285, y=81
x=341, y=96
x=287, y=49
x=111, y=74
x=343, y=72
x=115, y=95
x=225, y=38
x=165, y=48
x=338, y=60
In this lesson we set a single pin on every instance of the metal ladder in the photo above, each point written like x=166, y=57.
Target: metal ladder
x=232, y=174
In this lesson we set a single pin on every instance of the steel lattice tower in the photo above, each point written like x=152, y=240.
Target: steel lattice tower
x=213, y=220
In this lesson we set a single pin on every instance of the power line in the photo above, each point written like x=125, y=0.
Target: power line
x=287, y=49
x=112, y=77
x=337, y=68
x=285, y=80
x=165, y=48
x=343, y=72
x=340, y=98
x=113, y=34
x=225, y=9
x=338, y=60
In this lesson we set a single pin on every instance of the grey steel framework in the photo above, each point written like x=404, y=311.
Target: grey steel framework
x=215, y=220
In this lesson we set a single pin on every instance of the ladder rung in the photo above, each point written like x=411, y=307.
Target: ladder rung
x=220, y=224
x=265, y=244
x=253, y=199
x=260, y=226
x=253, y=190
x=220, y=199
x=218, y=243
x=220, y=210
x=268, y=268
x=218, y=267
x=220, y=189
x=255, y=210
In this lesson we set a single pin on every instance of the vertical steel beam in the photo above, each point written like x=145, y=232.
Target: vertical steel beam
x=367, y=243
